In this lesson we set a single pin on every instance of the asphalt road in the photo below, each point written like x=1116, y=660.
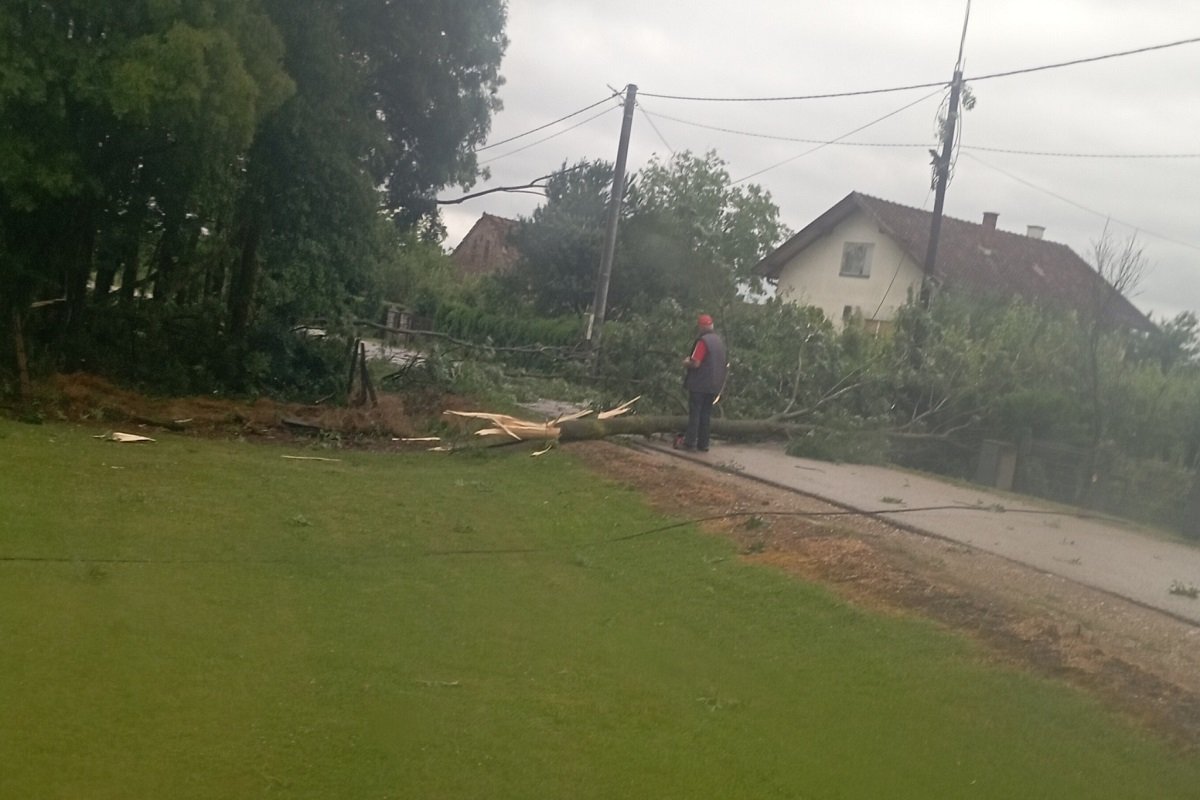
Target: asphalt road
x=1106, y=554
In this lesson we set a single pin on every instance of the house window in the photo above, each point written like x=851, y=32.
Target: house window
x=856, y=259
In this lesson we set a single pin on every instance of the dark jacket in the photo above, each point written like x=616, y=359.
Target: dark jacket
x=709, y=377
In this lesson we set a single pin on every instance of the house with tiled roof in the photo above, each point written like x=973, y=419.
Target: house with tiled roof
x=486, y=248
x=863, y=259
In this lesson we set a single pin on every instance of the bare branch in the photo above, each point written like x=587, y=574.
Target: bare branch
x=536, y=183
x=1123, y=266
x=795, y=383
x=788, y=415
x=834, y=392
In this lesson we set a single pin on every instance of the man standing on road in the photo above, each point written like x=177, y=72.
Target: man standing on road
x=705, y=377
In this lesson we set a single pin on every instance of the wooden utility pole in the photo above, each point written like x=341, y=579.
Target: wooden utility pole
x=941, y=168
x=600, y=300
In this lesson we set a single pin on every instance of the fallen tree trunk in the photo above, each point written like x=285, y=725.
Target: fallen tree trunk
x=585, y=425
x=592, y=428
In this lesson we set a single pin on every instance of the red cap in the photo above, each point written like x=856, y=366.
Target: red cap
x=704, y=321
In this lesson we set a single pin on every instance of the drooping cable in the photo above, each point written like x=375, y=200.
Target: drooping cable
x=551, y=136
x=1080, y=206
x=547, y=125
x=823, y=145
x=914, y=86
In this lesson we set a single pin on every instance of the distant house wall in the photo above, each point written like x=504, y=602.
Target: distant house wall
x=814, y=275
x=486, y=248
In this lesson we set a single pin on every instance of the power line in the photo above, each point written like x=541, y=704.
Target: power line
x=843, y=136
x=641, y=534
x=912, y=145
x=1080, y=206
x=896, y=272
x=1078, y=155
x=551, y=136
x=910, y=87
x=1084, y=60
x=875, y=513
x=650, y=119
x=547, y=125
x=825, y=96
x=771, y=136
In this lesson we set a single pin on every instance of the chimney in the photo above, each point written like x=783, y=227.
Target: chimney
x=989, y=220
x=1035, y=231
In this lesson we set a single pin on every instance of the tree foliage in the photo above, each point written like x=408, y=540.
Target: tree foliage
x=560, y=242
x=987, y=371
x=710, y=232
x=244, y=157
x=686, y=232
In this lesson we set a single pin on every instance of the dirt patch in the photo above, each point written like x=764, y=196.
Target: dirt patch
x=1139, y=661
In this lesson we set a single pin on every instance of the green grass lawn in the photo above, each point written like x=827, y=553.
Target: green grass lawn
x=193, y=619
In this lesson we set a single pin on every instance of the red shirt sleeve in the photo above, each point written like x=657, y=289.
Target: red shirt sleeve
x=700, y=352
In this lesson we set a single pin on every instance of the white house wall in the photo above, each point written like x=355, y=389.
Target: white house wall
x=812, y=276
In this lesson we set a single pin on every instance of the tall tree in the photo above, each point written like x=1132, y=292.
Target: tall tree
x=703, y=233
x=688, y=233
x=560, y=241
x=391, y=100
x=111, y=109
x=431, y=72
x=233, y=149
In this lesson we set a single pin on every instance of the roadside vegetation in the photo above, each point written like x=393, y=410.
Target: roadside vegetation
x=188, y=190
x=205, y=205
x=205, y=617
x=1118, y=432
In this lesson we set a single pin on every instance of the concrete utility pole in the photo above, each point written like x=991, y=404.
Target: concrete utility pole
x=600, y=300
x=941, y=168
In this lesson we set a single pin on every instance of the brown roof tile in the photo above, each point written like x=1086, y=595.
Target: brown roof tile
x=979, y=260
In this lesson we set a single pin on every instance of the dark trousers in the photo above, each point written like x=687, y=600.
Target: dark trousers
x=699, y=414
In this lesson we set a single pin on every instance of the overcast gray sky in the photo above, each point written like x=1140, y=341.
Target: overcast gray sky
x=565, y=54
